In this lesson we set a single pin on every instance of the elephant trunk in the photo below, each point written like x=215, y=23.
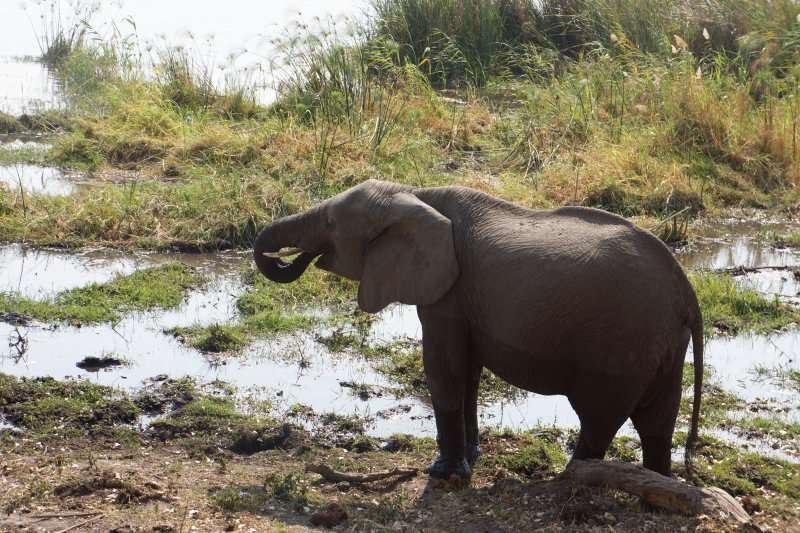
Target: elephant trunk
x=266, y=249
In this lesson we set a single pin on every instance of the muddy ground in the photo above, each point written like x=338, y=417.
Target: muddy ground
x=86, y=464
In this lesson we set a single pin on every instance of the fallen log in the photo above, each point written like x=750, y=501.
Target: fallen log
x=330, y=474
x=657, y=489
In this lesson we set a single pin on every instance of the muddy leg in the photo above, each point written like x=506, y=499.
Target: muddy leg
x=471, y=414
x=444, y=357
x=451, y=440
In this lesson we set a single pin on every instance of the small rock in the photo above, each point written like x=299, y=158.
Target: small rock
x=331, y=516
x=750, y=504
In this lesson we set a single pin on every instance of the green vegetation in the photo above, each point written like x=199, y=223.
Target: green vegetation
x=160, y=287
x=63, y=29
x=477, y=41
x=738, y=473
x=27, y=154
x=585, y=102
x=535, y=457
x=287, y=489
x=774, y=427
x=784, y=240
x=401, y=361
x=716, y=402
x=235, y=499
x=48, y=407
x=729, y=307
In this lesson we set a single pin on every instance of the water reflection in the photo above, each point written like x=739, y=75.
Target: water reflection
x=737, y=243
x=33, y=271
x=38, y=179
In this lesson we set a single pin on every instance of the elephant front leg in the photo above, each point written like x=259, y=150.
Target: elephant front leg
x=471, y=413
x=451, y=439
x=444, y=357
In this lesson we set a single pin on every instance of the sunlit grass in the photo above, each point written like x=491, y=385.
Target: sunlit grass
x=729, y=306
x=152, y=288
x=596, y=110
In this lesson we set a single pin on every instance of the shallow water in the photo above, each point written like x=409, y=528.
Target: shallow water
x=38, y=179
x=296, y=368
x=735, y=243
x=32, y=271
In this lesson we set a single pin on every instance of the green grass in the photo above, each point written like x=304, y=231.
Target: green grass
x=791, y=240
x=535, y=457
x=47, y=407
x=569, y=115
x=63, y=29
x=728, y=306
x=29, y=154
x=473, y=42
x=160, y=287
x=773, y=427
x=558, y=103
x=401, y=361
x=739, y=473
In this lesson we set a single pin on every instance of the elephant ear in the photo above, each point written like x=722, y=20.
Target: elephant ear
x=413, y=261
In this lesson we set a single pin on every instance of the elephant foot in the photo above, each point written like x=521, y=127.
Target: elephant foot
x=473, y=452
x=444, y=468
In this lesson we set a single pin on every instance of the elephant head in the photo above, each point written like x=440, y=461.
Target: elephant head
x=400, y=248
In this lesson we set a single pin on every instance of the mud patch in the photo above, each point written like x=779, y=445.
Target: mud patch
x=95, y=364
x=115, y=489
x=18, y=319
x=251, y=441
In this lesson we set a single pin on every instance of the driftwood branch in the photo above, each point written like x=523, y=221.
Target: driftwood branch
x=656, y=489
x=80, y=524
x=742, y=270
x=65, y=515
x=331, y=475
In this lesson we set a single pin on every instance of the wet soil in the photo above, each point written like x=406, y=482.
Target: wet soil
x=189, y=483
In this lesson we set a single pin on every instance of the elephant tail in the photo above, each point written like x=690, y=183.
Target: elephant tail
x=696, y=327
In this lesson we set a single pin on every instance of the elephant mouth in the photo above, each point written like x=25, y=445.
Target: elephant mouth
x=325, y=260
x=324, y=255
x=284, y=253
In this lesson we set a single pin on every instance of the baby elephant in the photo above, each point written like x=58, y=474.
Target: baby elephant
x=573, y=301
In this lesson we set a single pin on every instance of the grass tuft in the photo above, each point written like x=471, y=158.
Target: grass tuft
x=160, y=287
x=727, y=306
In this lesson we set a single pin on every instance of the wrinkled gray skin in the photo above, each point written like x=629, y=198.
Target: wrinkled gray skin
x=573, y=301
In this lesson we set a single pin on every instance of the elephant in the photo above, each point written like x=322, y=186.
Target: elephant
x=573, y=301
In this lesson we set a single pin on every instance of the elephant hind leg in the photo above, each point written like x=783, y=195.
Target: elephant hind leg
x=595, y=437
x=655, y=424
x=655, y=420
x=602, y=411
